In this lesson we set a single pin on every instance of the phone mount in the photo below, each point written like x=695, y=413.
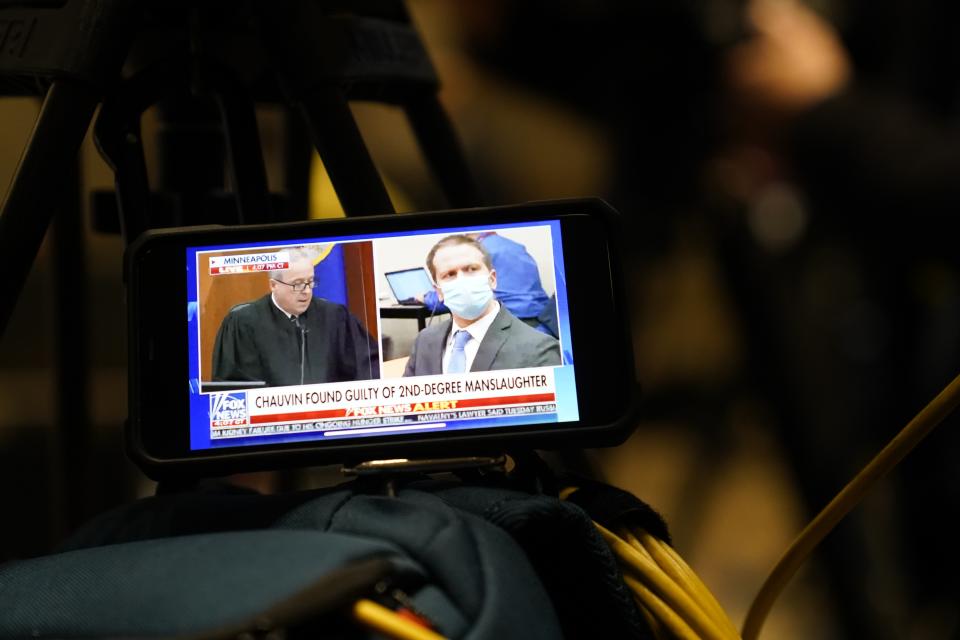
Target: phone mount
x=521, y=470
x=206, y=65
x=389, y=471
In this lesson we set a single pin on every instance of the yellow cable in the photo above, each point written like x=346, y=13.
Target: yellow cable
x=917, y=429
x=673, y=595
x=666, y=563
x=385, y=621
x=678, y=570
x=672, y=576
x=705, y=596
x=627, y=536
x=658, y=631
x=711, y=600
x=667, y=617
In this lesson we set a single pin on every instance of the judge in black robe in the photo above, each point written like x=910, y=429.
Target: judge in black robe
x=325, y=343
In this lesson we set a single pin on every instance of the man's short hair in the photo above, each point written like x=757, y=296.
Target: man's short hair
x=455, y=239
x=297, y=254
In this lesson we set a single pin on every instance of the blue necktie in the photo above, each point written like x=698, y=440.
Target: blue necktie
x=458, y=359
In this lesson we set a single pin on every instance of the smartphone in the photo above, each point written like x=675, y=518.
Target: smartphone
x=450, y=333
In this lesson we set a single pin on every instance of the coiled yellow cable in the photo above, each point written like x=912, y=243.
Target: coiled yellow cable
x=390, y=624
x=677, y=570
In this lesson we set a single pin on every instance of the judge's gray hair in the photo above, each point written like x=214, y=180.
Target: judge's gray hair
x=297, y=254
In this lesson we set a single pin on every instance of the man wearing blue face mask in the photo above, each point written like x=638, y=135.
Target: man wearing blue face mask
x=518, y=286
x=482, y=335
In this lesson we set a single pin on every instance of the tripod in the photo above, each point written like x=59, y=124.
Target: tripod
x=198, y=60
x=205, y=66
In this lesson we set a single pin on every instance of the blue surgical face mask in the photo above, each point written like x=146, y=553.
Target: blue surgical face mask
x=467, y=296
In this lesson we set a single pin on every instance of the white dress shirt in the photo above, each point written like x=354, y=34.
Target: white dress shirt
x=477, y=330
x=289, y=315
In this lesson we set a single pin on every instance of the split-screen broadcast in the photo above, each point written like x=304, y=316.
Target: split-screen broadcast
x=367, y=335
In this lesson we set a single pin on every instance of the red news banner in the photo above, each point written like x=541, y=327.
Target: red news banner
x=397, y=401
x=249, y=262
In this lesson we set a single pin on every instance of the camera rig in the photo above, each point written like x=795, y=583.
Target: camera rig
x=204, y=66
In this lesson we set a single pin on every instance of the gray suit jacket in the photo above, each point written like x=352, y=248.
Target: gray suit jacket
x=509, y=344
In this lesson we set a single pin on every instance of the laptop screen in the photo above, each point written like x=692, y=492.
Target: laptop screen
x=409, y=283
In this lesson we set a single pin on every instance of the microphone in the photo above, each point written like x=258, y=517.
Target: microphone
x=303, y=345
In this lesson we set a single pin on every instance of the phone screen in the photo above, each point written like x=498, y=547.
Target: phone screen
x=376, y=335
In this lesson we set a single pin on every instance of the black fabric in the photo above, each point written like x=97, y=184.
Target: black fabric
x=214, y=508
x=182, y=584
x=316, y=611
x=571, y=559
x=485, y=582
x=480, y=561
x=614, y=508
x=257, y=341
x=466, y=574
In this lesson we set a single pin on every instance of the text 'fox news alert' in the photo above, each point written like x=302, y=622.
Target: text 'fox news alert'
x=249, y=262
x=400, y=403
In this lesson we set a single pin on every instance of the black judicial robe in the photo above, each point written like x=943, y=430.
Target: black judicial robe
x=257, y=341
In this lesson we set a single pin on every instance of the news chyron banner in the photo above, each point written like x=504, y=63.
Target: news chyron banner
x=383, y=406
x=249, y=262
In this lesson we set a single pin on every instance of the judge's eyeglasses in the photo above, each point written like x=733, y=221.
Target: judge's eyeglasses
x=299, y=287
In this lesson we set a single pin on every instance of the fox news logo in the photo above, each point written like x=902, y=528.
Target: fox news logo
x=228, y=409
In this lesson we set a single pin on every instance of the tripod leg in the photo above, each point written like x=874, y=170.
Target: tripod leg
x=338, y=140
x=35, y=191
x=72, y=384
x=248, y=175
x=437, y=138
x=298, y=155
x=120, y=144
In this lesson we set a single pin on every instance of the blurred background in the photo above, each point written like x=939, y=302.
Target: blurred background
x=787, y=171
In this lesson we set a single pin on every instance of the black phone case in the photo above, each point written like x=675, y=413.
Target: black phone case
x=217, y=462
